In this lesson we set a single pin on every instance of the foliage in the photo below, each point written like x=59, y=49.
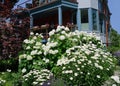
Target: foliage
x=11, y=40
x=62, y=39
x=32, y=62
x=115, y=41
x=11, y=63
x=9, y=78
x=37, y=77
x=114, y=80
x=73, y=58
x=85, y=65
x=31, y=56
x=81, y=58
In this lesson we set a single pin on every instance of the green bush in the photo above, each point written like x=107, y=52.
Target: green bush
x=11, y=63
x=73, y=58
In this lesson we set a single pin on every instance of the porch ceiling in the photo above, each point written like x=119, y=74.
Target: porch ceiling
x=53, y=6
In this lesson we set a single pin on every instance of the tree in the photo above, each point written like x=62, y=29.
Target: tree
x=115, y=41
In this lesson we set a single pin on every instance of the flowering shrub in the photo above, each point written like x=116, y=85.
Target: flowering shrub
x=37, y=77
x=62, y=39
x=32, y=62
x=85, y=65
x=81, y=58
x=31, y=56
x=78, y=58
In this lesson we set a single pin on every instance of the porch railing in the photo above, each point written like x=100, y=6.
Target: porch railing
x=35, y=3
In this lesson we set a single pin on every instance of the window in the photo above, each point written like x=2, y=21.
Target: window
x=84, y=19
x=101, y=22
x=84, y=16
x=94, y=16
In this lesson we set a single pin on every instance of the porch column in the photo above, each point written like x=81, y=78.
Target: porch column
x=103, y=27
x=31, y=21
x=98, y=21
x=90, y=19
x=59, y=15
x=78, y=18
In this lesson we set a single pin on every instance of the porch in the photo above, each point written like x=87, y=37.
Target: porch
x=58, y=12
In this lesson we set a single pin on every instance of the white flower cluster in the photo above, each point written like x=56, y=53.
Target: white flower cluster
x=38, y=76
x=85, y=56
x=2, y=81
x=48, y=48
x=25, y=56
x=8, y=70
x=46, y=60
x=116, y=78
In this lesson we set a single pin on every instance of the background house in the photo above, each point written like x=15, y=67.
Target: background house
x=85, y=15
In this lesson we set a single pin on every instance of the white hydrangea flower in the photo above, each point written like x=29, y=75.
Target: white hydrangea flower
x=28, y=47
x=67, y=29
x=31, y=33
x=34, y=52
x=38, y=44
x=26, y=41
x=37, y=34
x=41, y=83
x=35, y=83
x=88, y=73
x=71, y=78
x=39, y=52
x=98, y=76
x=52, y=32
x=58, y=28
x=46, y=60
x=24, y=70
x=22, y=56
x=98, y=66
x=63, y=68
x=116, y=78
x=81, y=72
x=75, y=74
x=63, y=32
x=63, y=27
x=34, y=37
x=62, y=37
x=29, y=57
x=114, y=85
x=8, y=70
x=78, y=68
x=48, y=39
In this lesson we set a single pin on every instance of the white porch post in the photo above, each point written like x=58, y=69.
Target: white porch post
x=60, y=15
x=31, y=21
x=78, y=18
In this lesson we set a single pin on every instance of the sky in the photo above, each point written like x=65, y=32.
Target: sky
x=114, y=6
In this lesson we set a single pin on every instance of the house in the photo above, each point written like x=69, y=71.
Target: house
x=84, y=15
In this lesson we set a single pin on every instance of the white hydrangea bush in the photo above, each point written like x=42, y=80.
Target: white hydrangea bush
x=32, y=62
x=81, y=58
x=31, y=56
x=78, y=58
x=85, y=65
x=37, y=77
x=61, y=39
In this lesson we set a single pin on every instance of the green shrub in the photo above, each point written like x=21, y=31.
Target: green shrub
x=74, y=58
